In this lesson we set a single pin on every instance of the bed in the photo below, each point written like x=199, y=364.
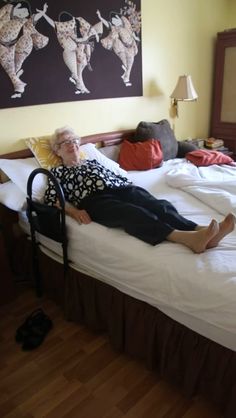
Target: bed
x=174, y=310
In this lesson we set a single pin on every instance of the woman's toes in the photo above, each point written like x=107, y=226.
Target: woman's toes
x=225, y=228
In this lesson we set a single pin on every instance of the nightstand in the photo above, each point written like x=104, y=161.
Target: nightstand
x=7, y=288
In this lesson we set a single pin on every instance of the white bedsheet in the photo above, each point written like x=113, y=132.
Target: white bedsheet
x=214, y=185
x=199, y=291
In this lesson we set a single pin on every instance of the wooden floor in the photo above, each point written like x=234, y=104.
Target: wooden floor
x=76, y=373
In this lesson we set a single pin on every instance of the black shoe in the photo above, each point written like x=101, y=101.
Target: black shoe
x=23, y=331
x=38, y=332
x=33, y=330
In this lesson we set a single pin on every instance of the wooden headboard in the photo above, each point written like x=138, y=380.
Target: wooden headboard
x=105, y=139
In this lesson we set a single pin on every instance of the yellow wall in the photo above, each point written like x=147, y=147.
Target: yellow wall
x=231, y=14
x=178, y=38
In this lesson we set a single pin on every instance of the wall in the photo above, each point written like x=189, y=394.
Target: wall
x=231, y=14
x=178, y=38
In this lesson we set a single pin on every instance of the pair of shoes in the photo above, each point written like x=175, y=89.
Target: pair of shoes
x=34, y=329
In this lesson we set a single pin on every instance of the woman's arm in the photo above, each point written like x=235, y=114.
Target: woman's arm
x=105, y=22
x=42, y=13
x=80, y=215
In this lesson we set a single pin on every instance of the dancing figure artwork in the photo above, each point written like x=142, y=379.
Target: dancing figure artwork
x=76, y=50
x=116, y=36
x=123, y=37
x=15, y=18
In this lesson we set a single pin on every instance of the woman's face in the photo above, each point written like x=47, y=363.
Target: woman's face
x=21, y=13
x=68, y=148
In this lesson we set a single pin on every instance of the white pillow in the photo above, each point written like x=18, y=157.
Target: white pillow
x=92, y=153
x=12, y=197
x=18, y=172
x=111, y=152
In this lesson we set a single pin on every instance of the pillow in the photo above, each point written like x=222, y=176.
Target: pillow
x=18, y=172
x=185, y=147
x=203, y=157
x=41, y=149
x=111, y=151
x=12, y=196
x=161, y=131
x=140, y=155
x=92, y=153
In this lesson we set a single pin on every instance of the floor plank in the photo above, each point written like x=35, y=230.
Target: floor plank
x=76, y=373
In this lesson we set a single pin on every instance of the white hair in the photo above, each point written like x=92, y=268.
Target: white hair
x=60, y=133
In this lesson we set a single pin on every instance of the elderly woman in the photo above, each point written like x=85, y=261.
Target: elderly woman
x=97, y=194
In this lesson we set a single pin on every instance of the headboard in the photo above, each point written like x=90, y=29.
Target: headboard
x=104, y=139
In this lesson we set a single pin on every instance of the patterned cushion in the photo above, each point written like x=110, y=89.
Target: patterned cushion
x=41, y=148
x=158, y=130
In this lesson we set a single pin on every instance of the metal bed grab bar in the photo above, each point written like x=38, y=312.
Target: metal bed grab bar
x=48, y=221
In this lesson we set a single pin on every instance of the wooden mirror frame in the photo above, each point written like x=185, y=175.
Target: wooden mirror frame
x=220, y=128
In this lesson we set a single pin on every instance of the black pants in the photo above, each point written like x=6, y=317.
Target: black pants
x=136, y=211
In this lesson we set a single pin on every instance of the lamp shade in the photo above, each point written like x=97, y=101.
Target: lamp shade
x=184, y=89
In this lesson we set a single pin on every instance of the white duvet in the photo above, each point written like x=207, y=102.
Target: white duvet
x=214, y=185
x=197, y=290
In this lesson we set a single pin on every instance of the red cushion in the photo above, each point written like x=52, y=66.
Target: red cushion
x=202, y=157
x=140, y=155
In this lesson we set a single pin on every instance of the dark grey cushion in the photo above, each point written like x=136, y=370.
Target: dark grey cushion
x=158, y=130
x=184, y=147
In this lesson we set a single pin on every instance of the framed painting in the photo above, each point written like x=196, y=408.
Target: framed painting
x=66, y=50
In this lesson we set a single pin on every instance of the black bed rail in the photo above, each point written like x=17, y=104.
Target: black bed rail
x=48, y=221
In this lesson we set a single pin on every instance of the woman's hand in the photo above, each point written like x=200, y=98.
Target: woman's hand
x=98, y=14
x=80, y=216
x=83, y=217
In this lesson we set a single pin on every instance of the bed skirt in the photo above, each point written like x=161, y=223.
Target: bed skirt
x=180, y=355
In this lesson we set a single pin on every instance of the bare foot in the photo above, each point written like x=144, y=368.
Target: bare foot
x=201, y=238
x=225, y=227
x=196, y=240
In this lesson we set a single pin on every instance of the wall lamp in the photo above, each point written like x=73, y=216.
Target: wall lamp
x=184, y=91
